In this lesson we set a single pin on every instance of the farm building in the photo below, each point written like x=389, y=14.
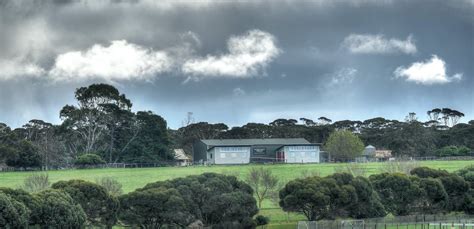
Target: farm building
x=370, y=153
x=181, y=158
x=244, y=151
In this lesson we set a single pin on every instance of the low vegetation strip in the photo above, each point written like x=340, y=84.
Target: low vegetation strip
x=132, y=179
x=235, y=201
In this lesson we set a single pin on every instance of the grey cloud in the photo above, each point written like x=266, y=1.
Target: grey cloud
x=63, y=27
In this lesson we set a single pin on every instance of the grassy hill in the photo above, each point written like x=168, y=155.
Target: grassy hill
x=138, y=177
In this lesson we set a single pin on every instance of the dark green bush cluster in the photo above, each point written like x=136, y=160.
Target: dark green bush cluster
x=425, y=191
x=215, y=200
x=450, y=151
x=89, y=159
x=209, y=199
x=338, y=195
x=43, y=209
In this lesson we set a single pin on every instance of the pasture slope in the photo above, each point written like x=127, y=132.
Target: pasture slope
x=134, y=178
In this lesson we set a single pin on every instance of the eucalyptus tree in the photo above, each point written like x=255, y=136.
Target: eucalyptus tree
x=46, y=138
x=96, y=110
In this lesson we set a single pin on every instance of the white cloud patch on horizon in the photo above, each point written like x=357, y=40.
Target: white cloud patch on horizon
x=428, y=72
x=16, y=69
x=378, y=44
x=119, y=61
x=248, y=55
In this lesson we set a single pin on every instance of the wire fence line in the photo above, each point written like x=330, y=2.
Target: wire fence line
x=459, y=221
x=256, y=160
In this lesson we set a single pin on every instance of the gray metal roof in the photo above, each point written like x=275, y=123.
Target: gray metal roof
x=255, y=141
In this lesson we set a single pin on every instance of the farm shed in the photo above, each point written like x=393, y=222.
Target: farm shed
x=371, y=153
x=244, y=151
x=181, y=157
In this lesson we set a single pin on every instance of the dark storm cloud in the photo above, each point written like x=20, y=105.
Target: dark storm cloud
x=299, y=82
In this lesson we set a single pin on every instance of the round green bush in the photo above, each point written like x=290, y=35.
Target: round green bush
x=89, y=159
x=59, y=209
x=13, y=214
x=100, y=207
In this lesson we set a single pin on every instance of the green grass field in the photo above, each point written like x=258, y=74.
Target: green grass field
x=132, y=179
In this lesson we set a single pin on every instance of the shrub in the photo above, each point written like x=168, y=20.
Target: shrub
x=110, y=184
x=449, y=151
x=404, y=167
x=36, y=182
x=216, y=200
x=261, y=220
x=89, y=159
x=59, y=209
x=30, y=201
x=468, y=174
x=338, y=195
x=154, y=208
x=13, y=214
x=425, y=172
x=100, y=207
x=397, y=192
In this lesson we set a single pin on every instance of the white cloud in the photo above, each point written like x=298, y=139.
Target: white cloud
x=248, y=54
x=119, y=61
x=431, y=71
x=343, y=75
x=238, y=91
x=14, y=69
x=378, y=44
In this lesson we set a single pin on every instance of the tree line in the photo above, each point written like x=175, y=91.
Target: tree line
x=223, y=201
x=102, y=123
x=409, y=138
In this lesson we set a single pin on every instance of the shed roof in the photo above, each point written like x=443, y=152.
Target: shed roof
x=180, y=155
x=255, y=141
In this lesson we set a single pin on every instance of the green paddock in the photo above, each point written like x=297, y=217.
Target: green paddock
x=134, y=178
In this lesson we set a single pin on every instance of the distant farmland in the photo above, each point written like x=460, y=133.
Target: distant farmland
x=132, y=179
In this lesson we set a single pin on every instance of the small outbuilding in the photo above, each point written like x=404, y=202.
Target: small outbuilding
x=181, y=157
x=371, y=154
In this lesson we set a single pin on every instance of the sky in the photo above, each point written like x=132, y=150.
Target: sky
x=239, y=61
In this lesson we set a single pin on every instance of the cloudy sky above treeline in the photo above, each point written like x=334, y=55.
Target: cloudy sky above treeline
x=239, y=61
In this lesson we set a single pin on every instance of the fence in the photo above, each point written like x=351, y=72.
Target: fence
x=102, y=166
x=400, y=222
